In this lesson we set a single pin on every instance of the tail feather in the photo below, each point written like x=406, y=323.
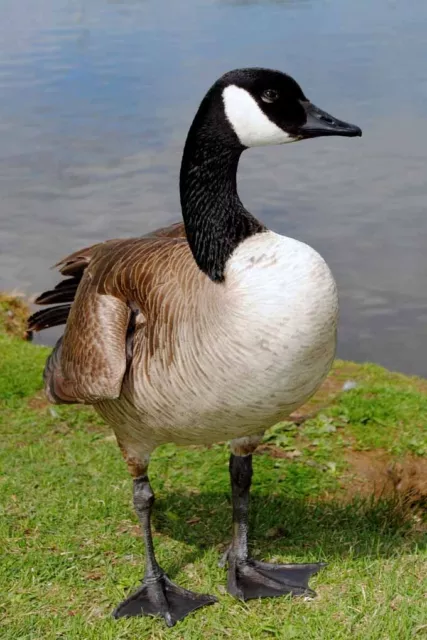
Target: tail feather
x=73, y=267
x=65, y=291
x=76, y=263
x=46, y=318
x=49, y=297
x=62, y=296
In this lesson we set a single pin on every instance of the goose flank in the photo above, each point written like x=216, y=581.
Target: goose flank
x=208, y=330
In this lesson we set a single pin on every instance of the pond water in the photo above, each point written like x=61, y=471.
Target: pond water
x=97, y=97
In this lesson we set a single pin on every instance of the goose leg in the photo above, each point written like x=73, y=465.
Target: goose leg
x=248, y=578
x=157, y=596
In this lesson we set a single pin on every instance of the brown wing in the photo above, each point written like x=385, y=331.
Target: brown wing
x=74, y=266
x=109, y=279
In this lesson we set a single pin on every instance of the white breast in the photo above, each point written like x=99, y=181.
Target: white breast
x=282, y=282
x=256, y=348
x=283, y=313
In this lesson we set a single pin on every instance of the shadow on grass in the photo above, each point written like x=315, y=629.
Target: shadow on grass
x=297, y=530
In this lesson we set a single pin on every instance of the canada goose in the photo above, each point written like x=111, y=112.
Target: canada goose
x=205, y=331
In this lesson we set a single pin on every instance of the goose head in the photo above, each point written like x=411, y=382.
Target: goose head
x=244, y=108
x=265, y=107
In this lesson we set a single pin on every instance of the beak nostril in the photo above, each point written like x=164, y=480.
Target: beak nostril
x=323, y=117
x=320, y=123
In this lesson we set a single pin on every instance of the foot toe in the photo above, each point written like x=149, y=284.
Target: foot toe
x=162, y=598
x=251, y=579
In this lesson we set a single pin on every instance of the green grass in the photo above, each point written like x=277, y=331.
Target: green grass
x=69, y=538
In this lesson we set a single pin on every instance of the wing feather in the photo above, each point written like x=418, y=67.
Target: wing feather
x=107, y=286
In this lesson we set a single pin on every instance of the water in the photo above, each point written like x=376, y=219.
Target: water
x=97, y=97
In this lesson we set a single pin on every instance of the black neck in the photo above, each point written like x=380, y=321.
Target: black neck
x=215, y=219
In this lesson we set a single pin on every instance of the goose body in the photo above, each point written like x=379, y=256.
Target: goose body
x=221, y=376
x=205, y=331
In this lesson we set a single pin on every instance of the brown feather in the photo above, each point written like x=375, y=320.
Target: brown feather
x=107, y=281
x=63, y=292
x=46, y=318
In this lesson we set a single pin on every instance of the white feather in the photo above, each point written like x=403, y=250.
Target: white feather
x=251, y=125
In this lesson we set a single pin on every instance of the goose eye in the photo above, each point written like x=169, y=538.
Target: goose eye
x=269, y=95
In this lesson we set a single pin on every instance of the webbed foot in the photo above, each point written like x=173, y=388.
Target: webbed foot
x=249, y=579
x=161, y=597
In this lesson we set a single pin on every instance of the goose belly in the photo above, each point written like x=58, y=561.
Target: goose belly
x=249, y=366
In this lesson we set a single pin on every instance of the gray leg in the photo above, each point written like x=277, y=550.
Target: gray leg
x=157, y=596
x=249, y=578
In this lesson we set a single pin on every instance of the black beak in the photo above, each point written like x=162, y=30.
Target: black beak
x=320, y=123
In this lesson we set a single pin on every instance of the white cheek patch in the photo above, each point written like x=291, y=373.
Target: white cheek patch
x=249, y=122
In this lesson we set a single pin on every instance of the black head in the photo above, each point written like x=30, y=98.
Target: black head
x=269, y=107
